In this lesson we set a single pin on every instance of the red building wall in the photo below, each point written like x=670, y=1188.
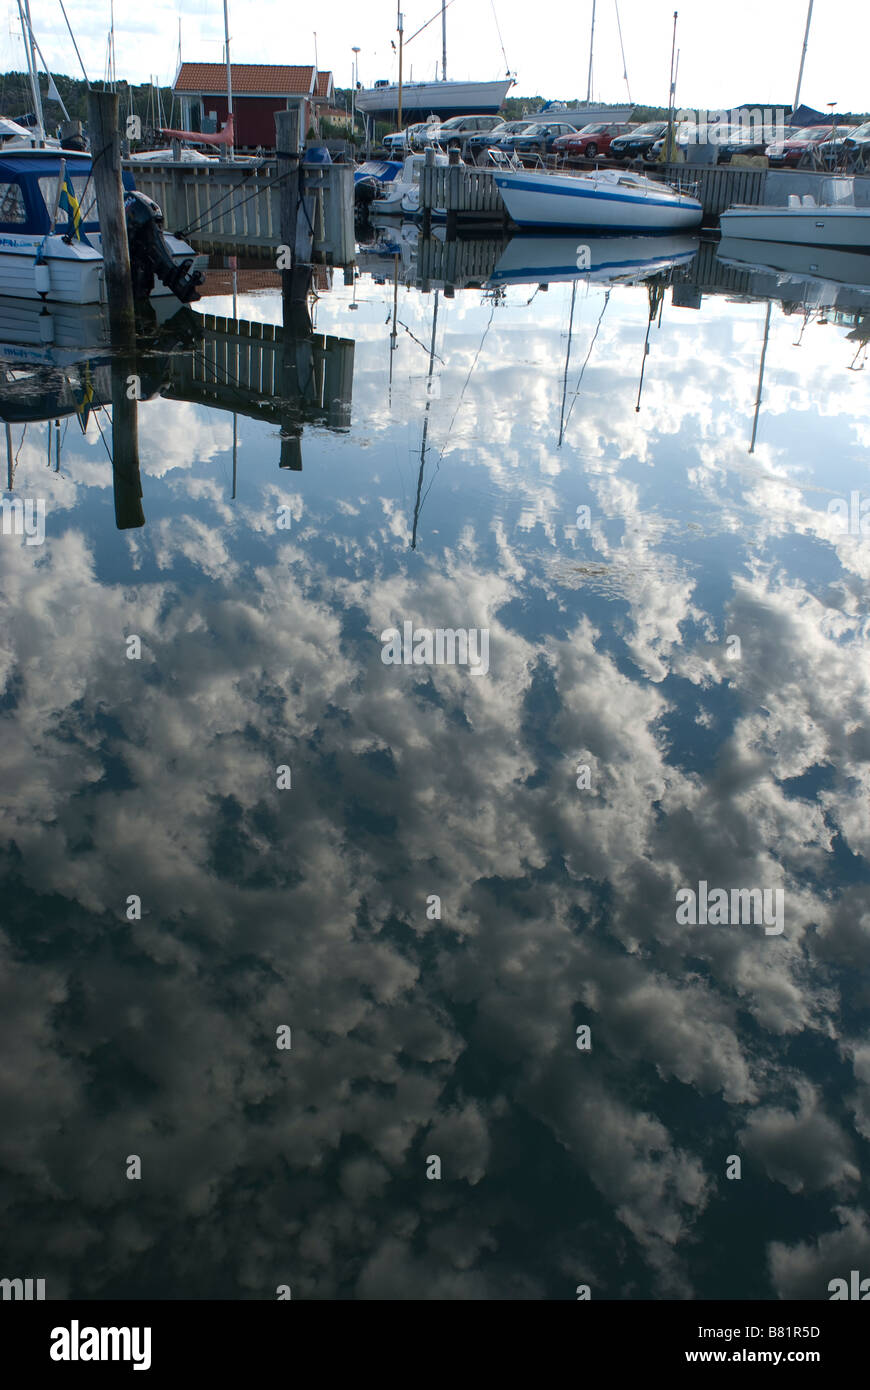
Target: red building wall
x=254, y=117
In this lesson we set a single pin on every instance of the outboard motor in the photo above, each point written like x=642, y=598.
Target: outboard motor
x=149, y=256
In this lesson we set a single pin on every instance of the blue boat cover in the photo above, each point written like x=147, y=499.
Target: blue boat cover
x=383, y=169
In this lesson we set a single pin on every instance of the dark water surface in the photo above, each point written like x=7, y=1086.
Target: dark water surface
x=444, y=461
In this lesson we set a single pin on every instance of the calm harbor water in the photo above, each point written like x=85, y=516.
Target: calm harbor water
x=649, y=496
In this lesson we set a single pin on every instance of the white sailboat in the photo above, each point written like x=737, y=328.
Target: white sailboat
x=444, y=98
x=607, y=200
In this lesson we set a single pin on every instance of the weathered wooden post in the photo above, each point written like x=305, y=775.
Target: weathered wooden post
x=106, y=173
x=126, y=481
x=453, y=187
x=296, y=373
x=296, y=277
x=429, y=163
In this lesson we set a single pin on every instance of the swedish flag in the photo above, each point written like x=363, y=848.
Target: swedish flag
x=85, y=397
x=69, y=204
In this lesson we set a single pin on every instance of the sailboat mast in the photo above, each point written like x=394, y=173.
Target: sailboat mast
x=27, y=32
x=231, y=148
x=443, y=40
x=797, y=95
x=760, y=380
x=567, y=358
x=400, y=27
x=418, y=502
x=591, y=45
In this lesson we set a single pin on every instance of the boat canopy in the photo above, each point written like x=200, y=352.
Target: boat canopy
x=28, y=189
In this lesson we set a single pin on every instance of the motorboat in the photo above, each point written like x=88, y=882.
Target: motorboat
x=532, y=260
x=50, y=246
x=370, y=179
x=604, y=200
x=44, y=334
x=186, y=155
x=19, y=137
x=792, y=261
x=834, y=221
x=402, y=196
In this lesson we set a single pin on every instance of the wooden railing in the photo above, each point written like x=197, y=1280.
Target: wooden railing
x=460, y=188
x=225, y=206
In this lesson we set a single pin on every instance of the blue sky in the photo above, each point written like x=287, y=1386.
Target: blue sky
x=747, y=50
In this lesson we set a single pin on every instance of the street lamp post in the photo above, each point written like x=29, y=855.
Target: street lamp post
x=355, y=52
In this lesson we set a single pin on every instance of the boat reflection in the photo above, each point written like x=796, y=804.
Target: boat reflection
x=58, y=361
x=822, y=285
x=530, y=260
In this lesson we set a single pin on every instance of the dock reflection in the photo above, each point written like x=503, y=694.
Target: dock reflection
x=59, y=361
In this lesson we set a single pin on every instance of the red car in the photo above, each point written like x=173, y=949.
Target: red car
x=590, y=141
x=789, y=152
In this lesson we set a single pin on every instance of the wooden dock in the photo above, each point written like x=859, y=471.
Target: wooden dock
x=265, y=373
x=236, y=207
x=466, y=264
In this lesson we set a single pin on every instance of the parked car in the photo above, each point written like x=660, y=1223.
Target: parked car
x=401, y=140
x=453, y=134
x=425, y=134
x=857, y=145
x=801, y=145
x=637, y=143
x=688, y=132
x=482, y=141
x=537, y=138
x=841, y=152
x=746, y=139
x=590, y=140
x=726, y=140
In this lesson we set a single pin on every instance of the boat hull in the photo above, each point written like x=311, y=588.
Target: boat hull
x=75, y=269
x=443, y=99
x=586, y=202
x=836, y=228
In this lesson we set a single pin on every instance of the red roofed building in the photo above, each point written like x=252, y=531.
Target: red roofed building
x=259, y=90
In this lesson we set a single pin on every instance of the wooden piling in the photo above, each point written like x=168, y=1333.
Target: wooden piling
x=106, y=174
x=126, y=480
x=296, y=279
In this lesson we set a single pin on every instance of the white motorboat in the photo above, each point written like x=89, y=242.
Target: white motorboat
x=834, y=222
x=792, y=261
x=185, y=156
x=532, y=260
x=402, y=196
x=606, y=200
x=49, y=235
x=18, y=137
